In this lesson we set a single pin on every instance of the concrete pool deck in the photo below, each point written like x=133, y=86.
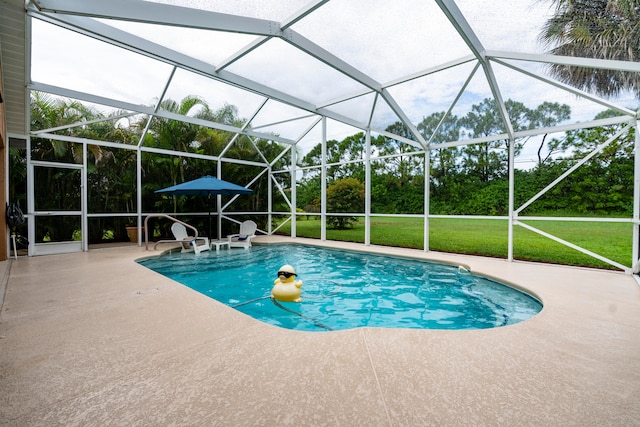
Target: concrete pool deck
x=95, y=339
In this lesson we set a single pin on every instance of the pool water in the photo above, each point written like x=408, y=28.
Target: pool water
x=345, y=290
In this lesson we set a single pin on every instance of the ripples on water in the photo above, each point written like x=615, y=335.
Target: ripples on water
x=344, y=290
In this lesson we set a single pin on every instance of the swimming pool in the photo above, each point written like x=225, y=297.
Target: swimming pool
x=345, y=290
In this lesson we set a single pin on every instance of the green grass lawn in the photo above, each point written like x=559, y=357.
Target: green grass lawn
x=488, y=237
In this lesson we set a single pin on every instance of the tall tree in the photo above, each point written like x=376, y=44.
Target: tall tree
x=604, y=29
x=486, y=160
x=177, y=135
x=603, y=184
x=545, y=115
x=351, y=149
x=404, y=167
x=443, y=159
x=445, y=179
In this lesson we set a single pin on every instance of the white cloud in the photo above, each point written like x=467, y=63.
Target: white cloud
x=385, y=40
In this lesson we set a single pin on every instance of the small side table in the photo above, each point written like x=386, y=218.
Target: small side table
x=218, y=244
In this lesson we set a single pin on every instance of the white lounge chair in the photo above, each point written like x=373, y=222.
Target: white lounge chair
x=189, y=243
x=243, y=238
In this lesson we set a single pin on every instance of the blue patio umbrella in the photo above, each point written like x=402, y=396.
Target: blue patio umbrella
x=206, y=186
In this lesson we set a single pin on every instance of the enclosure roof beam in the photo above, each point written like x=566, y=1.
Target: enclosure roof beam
x=401, y=80
x=85, y=123
x=453, y=104
x=262, y=40
x=96, y=99
x=497, y=95
x=114, y=36
x=398, y=138
x=330, y=59
x=459, y=22
x=429, y=71
x=532, y=132
x=82, y=96
x=159, y=14
x=575, y=61
x=156, y=13
x=78, y=140
x=404, y=118
x=568, y=88
x=63, y=12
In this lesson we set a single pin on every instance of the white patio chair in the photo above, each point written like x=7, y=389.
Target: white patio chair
x=189, y=243
x=242, y=239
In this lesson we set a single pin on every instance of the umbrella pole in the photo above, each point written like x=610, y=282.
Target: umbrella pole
x=209, y=203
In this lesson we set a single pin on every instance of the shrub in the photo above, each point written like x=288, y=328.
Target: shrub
x=344, y=196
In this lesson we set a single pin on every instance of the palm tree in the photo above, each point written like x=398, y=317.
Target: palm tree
x=603, y=29
x=49, y=112
x=177, y=135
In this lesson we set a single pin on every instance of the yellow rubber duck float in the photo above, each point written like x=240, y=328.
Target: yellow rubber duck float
x=286, y=288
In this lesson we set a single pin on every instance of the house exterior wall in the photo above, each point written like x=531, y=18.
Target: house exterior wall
x=3, y=172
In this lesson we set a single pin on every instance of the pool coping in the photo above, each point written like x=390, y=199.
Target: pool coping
x=321, y=327
x=95, y=338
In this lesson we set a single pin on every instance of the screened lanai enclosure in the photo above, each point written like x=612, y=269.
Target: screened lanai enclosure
x=348, y=119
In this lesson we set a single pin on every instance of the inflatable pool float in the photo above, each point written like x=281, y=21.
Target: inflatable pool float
x=286, y=288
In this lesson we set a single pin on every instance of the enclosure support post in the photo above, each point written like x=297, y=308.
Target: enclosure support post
x=512, y=152
x=294, y=202
x=219, y=200
x=636, y=200
x=31, y=227
x=323, y=183
x=84, y=221
x=270, y=201
x=367, y=189
x=139, y=192
x=427, y=197
x=31, y=221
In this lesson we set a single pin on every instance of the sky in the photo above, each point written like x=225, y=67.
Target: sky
x=382, y=41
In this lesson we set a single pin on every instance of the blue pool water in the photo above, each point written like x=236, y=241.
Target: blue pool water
x=344, y=290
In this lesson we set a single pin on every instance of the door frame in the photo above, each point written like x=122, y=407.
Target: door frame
x=50, y=248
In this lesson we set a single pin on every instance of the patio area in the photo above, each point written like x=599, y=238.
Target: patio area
x=94, y=338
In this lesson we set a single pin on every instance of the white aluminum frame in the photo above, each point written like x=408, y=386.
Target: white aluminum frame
x=78, y=16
